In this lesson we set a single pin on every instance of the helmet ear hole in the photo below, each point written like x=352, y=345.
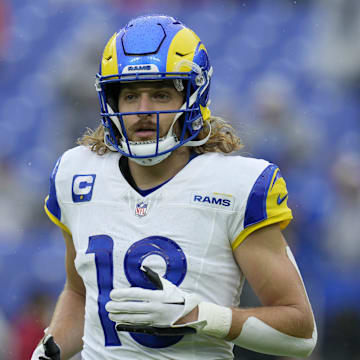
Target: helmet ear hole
x=112, y=92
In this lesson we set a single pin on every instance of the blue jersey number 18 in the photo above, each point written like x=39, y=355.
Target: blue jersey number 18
x=176, y=267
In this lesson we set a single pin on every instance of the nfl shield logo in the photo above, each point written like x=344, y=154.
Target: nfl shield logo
x=141, y=209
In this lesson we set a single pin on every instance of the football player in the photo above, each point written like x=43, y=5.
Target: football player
x=161, y=228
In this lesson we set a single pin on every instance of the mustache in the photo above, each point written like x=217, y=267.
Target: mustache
x=141, y=125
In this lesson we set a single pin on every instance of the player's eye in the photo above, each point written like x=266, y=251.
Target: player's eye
x=129, y=97
x=162, y=96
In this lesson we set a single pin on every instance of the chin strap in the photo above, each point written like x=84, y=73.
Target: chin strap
x=142, y=148
x=199, y=142
x=164, y=143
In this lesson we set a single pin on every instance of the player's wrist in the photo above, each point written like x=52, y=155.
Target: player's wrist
x=218, y=319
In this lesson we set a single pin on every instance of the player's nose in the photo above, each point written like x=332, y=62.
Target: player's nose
x=144, y=104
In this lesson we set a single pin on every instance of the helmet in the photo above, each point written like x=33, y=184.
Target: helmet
x=155, y=48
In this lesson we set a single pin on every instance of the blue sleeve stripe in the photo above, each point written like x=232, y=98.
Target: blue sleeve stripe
x=256, y=203
x=52, y=205
x=52, y=202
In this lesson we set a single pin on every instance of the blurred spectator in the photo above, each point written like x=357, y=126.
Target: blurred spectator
x=336, y=50
x=75, y=85
x=29, y=325
x=343, y=227
x=5, y=16
x=17, y=210
x=4, y=338
x=280, y=131
x=143, y=6
x=341, y=336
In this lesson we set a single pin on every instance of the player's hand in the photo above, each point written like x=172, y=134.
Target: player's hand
x=153, y=312
x=47, y=350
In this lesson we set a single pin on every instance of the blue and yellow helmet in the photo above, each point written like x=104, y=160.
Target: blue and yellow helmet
x=157, y=48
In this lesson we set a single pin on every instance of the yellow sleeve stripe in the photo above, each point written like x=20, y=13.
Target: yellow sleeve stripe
x=284, y=218
x=273, y=178
x=54, y=219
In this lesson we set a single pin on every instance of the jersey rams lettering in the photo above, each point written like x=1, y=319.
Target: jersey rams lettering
x=186, y=230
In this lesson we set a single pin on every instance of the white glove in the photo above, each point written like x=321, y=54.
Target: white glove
x=153, y=311
x=47, y=349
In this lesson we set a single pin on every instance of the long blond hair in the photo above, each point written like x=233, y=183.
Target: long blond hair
x=222, y=139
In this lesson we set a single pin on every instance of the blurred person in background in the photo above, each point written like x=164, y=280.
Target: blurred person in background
x=341, y=335
x=5, y=16
x=140, y=281
x=78, y=96
x=4, y=338
x=279, y=130
x=12, y=194
x=337, y=48
x=344, y=221
x=28, y=326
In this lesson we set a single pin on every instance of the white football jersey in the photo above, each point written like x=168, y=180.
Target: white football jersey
x=186, y=230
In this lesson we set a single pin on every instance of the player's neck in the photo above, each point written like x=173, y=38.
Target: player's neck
x=147, y=177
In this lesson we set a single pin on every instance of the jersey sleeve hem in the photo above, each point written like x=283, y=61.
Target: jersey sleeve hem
x=283, y=218
x=54, y=219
